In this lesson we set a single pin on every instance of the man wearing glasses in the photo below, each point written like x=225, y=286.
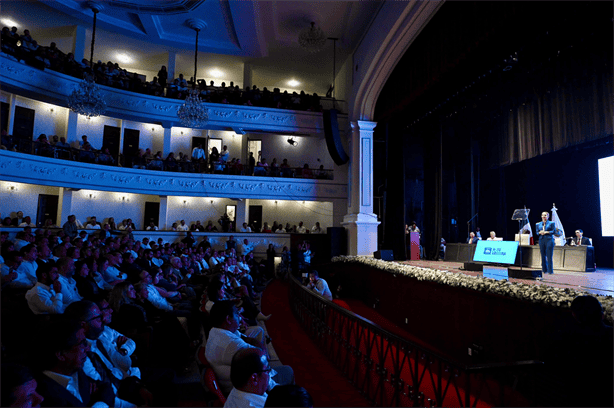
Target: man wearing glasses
x=249, y=372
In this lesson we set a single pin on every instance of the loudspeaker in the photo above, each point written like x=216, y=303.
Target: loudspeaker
x=384, y=254
x=333, y=141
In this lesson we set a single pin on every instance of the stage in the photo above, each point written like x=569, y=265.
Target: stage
x=599, y=282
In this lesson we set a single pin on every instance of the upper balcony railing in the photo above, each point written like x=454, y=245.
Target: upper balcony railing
x=54, y=87
x=49, y=171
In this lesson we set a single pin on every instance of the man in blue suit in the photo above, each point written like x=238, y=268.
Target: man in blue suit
x=546, y=242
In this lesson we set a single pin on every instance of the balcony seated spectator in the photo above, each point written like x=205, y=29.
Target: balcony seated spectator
x=105, y=157
x=156, y=163
x=163, y=76
x=197, y=227
x=286, y=171
x=170, y=164
x=139, y=161
x=86, y=155
x=155, y=88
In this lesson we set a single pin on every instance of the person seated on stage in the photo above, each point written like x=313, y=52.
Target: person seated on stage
x=579, y=239
x=493, y=237
x=472, y=238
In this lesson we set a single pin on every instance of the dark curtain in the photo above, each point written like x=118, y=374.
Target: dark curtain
x=433, y=173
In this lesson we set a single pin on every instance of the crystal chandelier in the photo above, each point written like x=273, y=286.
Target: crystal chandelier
x=87, y=99
x=193, y=113
x=312, y=38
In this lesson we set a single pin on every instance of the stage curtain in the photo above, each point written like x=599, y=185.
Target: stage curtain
x=433, y=172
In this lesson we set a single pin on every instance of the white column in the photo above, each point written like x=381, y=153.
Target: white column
x=163, y=213
x=170, y=65
x=166, y=149
x=78, y=43
x=12, y=100
x=360, y=221
x=71, y=127
x=247, y=75
x=65, y=204
x=242, y=213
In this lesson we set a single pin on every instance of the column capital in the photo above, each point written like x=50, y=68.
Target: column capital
x=366, y=125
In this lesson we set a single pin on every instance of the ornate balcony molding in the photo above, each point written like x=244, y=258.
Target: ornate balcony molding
x=54, y=87
x=25, y=168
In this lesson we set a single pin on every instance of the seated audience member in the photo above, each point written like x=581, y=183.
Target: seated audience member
x=66, y=269
x=301, y=228
x=225, y=340
x=182, y=226
x=210, y=227
x=587, y=346
x=46, y=296
x=250, y=374
x=197, y=227
x=92, y=224
x=18, y=219
x=27, y=222
x=19, y=386
x=63, y=382
x=472, y=238
x=87, y=285
x=289, y=396
x=492, y=237
x=12, y=261
x=99, y=367
x=28, y=267
x=151, y=227
x=245, y=228
x=319, y=285
x=316, y=229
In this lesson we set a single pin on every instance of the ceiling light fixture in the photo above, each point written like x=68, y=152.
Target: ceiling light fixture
x=312, y=39
x=293, y=83
x=124, y=58
x=9, y=23
x=193, y=113
x=292, y=142
x=86, y=99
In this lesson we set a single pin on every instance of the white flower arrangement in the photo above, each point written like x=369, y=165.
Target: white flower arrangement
x=533, y=293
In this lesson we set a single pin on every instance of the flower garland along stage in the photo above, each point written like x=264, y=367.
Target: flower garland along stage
x=533, y=293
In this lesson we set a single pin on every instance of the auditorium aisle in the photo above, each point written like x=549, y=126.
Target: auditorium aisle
x=312, y=370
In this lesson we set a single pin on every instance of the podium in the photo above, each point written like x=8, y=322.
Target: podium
x=414, y=246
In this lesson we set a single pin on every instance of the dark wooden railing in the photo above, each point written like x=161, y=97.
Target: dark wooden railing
x=393, y=371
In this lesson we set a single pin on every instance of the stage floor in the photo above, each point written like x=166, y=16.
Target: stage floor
x=600, y=282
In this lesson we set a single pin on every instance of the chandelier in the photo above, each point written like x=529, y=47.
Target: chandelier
x=312, y=38
x=86, y=99
x=193, y=113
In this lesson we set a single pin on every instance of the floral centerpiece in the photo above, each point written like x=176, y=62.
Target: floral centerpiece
x=533, y=293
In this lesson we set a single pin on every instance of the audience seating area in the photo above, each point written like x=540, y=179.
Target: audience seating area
x=155, y=295
x=25, y=48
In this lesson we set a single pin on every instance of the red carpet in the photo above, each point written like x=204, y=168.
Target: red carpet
x=313, y=371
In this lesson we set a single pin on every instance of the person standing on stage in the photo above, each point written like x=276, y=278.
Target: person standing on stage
x=546, y=242
x=579, y=239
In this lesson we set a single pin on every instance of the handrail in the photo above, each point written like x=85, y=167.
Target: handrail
x=23, y=145
x=391, y=370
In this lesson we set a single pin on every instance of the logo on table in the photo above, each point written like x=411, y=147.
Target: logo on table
x=493, y=251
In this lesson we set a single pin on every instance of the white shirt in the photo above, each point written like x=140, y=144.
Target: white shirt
x=224, y=154
x=70, y=293
x=90, y=226
x=221, y=347
x=301, y=230
x=29, y=269
x=242, y=399
x=112, y=274
x=183, y=227
x=246, y=229
x=198, y=153
x=246, y=248
x=21, y=281
x=156, y=299
x=151, y=229
x=157, y=261
x=42, y=299
x=316, y=230
x=321, y=288
x=108, y=338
